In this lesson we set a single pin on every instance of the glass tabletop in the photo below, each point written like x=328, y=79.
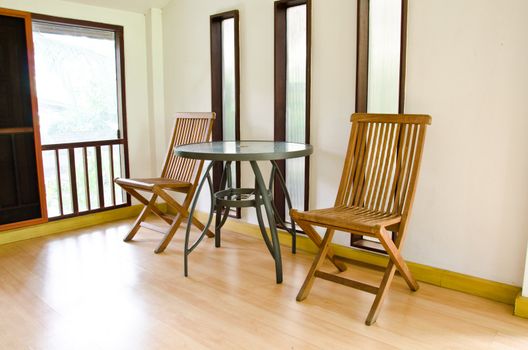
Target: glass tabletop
x=244, y=150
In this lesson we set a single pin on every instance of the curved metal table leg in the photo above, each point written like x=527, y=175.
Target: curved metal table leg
x=220, y=220
x=261, y=224
x=292, y=230
x=186, y=249
x=266, y=200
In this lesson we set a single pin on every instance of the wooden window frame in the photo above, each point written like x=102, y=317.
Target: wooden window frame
x=217, y=90
x=362, y=59
x=280, y=70
x=122, y=138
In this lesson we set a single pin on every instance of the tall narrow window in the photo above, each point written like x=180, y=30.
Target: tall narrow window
x=79, y=75
x=382, y=27
x=225, y=87
x=292, y=94
x=380, y=78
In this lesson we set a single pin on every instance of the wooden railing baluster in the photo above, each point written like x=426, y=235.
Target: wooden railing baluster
x=99, y=176
x=112, y=185
x=57, y=165
x=73, y=181
x=86, y=179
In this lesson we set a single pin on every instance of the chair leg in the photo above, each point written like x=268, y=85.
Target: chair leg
x=396, y=262
x=137, y=224
x=143, y=200
x=382, y=292
x=318, y=261
x=201, y=226
x=397, y=259
x=170, y=233
x=314, y=236
x=182, y=208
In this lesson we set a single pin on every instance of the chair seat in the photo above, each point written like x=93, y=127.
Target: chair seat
x=149, y=183
x=349, y=218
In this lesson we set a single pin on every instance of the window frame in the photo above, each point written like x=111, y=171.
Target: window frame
x=122, y=137
x=362, y=65
x=280, y=83
x=217, y=89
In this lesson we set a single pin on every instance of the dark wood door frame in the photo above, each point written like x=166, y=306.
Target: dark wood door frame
x=35, y=127
x=217, y=89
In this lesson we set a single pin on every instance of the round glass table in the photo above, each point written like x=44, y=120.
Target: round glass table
x=236, y=197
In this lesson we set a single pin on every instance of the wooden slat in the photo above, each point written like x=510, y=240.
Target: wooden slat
x=400, y=154
x=57, y=146
x=408, y=167
x=415, y=172
x=73, y=181
x=100, y=183
x=360, y=171
x=401, y=167
x=57, y=165
x=346, y=282
x=376, y=171
x=112, y=185
x=10, y=131
x=86, y=178
x=356, y=160
x=387, y=178
x=343, y=185
x=391, y=118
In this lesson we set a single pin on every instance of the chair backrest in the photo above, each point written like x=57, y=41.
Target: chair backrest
x=383, y=161
x=191, y=127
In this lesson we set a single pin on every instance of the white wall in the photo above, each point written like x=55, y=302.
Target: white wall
x=466, y=66
x=156, y=89
x=135, y=67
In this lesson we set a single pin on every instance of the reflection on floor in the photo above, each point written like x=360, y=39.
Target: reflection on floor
x=89, y=290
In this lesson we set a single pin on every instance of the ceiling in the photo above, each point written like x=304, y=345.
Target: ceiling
x=140, y=6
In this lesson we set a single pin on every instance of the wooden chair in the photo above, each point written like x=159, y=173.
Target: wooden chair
x=178, y=175
x=375, y=198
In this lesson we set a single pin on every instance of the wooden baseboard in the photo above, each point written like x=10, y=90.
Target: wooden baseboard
x=521, y=306
x=53, y=227
x=492, y=290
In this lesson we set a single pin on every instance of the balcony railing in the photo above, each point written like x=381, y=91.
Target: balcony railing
x=79, y=177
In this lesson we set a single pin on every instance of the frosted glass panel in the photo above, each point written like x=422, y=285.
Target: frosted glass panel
x=296, y=99
x=384, y=56
x=228, y=85
x=228, y=78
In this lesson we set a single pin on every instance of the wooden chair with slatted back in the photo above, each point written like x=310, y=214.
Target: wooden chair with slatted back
x=375, y=198
x=178, y=175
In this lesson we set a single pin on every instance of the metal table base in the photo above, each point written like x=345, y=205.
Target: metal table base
x=228, y=197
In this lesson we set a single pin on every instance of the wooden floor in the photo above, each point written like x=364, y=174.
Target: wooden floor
x=89, y=290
